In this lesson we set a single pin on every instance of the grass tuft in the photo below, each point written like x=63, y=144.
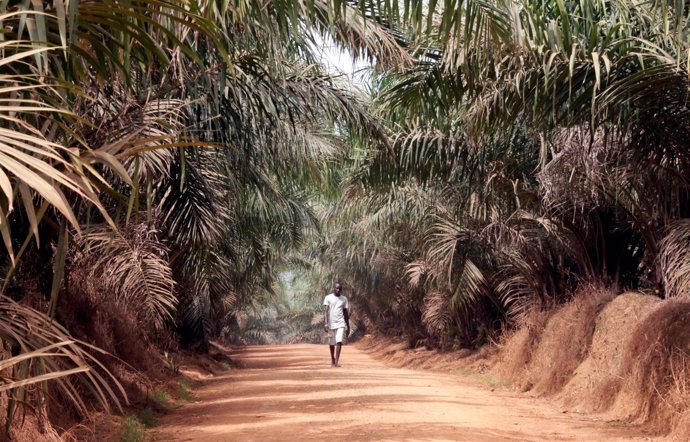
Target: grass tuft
x=132, y=430
x=160, y=397
x=148, y=417
x=183, y=391
x=494, y=383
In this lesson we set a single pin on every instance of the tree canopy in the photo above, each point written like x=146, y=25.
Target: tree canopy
x=164, y=161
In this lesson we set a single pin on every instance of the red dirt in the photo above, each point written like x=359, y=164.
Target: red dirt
x=289, y=392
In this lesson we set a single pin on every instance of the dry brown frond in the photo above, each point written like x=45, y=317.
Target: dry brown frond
x=673, y=259
x=44, y=351
x=131, y=268
x=437, y=314
x=364, y=37
x=577, y=170
x=416, y=272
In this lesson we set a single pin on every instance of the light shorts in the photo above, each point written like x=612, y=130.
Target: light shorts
x=336, y=335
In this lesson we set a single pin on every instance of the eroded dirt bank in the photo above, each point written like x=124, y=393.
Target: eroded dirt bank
x=289, y=392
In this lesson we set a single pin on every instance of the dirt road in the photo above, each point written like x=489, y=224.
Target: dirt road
x=290, y=393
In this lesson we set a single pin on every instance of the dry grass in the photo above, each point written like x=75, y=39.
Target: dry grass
x=655, y=369
x=566, y=340
x=382, y=347
x=518, y=348
x=596, y=381
x=101, y=427
x=628, y=355
x=625, y=355
x=132, y=358
x=92, y=316
x=28, y=429
x=398, y=354
x=136, y=363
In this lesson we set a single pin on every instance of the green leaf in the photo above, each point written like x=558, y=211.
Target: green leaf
x=58, y=267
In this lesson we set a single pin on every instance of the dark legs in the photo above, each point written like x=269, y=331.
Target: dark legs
x=335, y=354
x=338, y=346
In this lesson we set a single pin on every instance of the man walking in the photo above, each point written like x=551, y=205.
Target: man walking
x=336, y=321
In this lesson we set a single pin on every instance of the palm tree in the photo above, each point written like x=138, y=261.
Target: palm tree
x=172, y=175
x=527, y=123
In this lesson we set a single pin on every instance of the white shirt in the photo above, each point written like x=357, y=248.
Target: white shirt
x=336, y=304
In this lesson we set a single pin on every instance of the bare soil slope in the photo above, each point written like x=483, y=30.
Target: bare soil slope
x=290, y=392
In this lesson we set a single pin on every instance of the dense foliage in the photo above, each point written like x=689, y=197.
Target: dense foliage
x=535, y=145
x=148, y=179
x=162, y=162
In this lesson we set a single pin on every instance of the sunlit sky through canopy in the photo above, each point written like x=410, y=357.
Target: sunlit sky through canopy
x=339, y=62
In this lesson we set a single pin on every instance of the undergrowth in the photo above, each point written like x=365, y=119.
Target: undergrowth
x=160, y=397
x=148, y=417
x=183, y=391
x=132, y=430
x=493, y=382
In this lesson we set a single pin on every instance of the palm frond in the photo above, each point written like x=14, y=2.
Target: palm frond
x=190, y=207
x=438, y=314
x=33, y=165
x=672, y=260
x=131, y=266
x=43, y=351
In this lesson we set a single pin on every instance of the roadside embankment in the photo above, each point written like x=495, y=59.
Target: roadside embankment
x=625, y=357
